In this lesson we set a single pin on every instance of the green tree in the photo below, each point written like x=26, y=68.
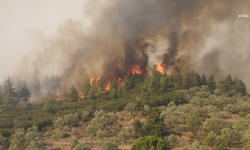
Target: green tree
x=85, y=115
x=178, y=81
x=215, y=125
x=128, y=84
x=86, y=87
x=150, y=143
x=71, y=119
x=73, y=94
x=130, y=107
x=1, y=95
x=73, y=141
x=92, y=91
x=123, y=136
x=107, y=144
x=9, y=94
x=137, y=125
x=101, y=84
x=82, y=146
x=47, y=106
x=173, y=140
x=239, y=86
x=154, y=84
x=102, y=133
x=210, y=139
x=25, y=93
x=225, y=84
x=194, y=123
x=113, y=93
x=151, y=127
x=211, y=83
x=184, y=84
x=203, y=80
x=59, y=122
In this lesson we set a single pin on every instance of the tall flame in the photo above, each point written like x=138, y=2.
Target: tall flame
x=160, y=67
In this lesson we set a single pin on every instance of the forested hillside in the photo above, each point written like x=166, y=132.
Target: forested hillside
x=187, y=113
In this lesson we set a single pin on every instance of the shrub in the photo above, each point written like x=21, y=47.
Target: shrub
x=101, y=134
x=123, y=136
x=71, y=119
x=59, y=122
x=82, y=146
x=85, y=115
x=73, y=141
x=150, y=142
x=108, y=144
x=137, y=125
x=129, y=130
x=173, y=140
x=73, y=130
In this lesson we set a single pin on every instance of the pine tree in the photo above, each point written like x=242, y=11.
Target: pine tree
x=119, y=90
x=211, y=83
x=9, y=94
x=92, y=91
x=1, y=95
x=101, y=84
x=25, y=93
x=127, y=83
x=86, y=87
x=154, y=85
x=113, y=93
x=203, y=80
x=184, y=84
x=178, y=80
x=113, y=86
x=73, y=94
x=197, y=79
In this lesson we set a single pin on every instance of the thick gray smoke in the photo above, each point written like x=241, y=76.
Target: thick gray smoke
x=201, y=35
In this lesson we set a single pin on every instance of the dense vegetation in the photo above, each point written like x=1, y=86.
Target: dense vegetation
x=168, y=101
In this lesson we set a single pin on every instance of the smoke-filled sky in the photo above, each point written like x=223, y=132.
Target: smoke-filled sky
x=82, y=39
x=20, y=20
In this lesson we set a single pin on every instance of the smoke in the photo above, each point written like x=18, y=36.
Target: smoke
x=204, y=36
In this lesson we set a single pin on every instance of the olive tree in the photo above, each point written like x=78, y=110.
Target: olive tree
x=102, y=133
x=194, y=123
x=123, y=136
x=215, y=125
x=85, y=115
x=107, y=144
x=173, y=140
x=210, y=139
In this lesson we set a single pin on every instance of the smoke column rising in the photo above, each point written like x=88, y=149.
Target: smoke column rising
x=205, y=36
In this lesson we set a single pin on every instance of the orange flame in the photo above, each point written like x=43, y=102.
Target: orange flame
x=107, y=88
x=59, y=97
x=160, y=67
x=95, y=80
x=135, y=69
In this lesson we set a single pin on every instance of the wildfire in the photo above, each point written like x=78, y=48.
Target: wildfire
x=135, y=69
x=59, y=97
x=95, y=80
x=107, y=88
x=160, y=67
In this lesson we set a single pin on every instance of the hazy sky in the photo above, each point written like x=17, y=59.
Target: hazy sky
x=19, y=19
